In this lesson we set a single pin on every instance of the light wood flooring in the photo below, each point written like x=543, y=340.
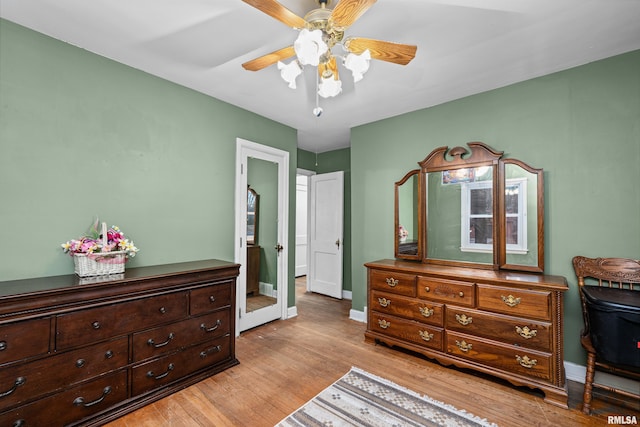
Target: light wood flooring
x=283, y=364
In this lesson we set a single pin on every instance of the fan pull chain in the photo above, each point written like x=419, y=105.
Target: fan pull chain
x=317, y=111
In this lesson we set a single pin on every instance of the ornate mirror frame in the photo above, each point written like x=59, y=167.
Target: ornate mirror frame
x=507, y=177
x=253, y=216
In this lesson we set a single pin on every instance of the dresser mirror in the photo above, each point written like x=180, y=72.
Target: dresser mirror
x=475, y=209
x=408, y=216
x=522, y=221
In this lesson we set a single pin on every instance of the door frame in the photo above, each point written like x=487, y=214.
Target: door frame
x=244, y=150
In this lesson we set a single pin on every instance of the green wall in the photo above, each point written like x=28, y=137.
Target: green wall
x=81, y=135
x=581, y=125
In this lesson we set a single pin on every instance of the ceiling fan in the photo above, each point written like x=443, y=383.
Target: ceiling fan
x=322, y=29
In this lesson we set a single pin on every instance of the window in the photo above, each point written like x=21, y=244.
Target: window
x=477, y=216
x=516, y=212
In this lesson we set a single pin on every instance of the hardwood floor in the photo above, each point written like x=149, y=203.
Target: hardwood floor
x=283, y=364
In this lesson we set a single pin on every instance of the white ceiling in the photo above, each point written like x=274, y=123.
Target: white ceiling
x=464, y=47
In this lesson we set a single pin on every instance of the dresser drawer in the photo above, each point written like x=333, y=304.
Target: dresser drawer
x=409, y=308
x=31, y=380
x=418, y=333
x=509, y=358
x=447, y=291
x=22, y=340
x=160, y=372
x=210, y=298
x=515, y=302
x=71, y=405
x=509, y=330
x=101, y=323
x=397, y=283
x=154, y=342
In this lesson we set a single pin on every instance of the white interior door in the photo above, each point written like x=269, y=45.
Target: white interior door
x=264, y=263
x=326, y=208
x=302, y=211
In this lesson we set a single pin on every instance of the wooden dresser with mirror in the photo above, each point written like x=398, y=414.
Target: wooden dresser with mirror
x=467, y=287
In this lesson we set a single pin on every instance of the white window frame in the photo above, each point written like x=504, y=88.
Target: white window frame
x=465, y=217
x=521, y=246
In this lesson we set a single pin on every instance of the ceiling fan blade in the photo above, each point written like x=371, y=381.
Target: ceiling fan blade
x=278, y=11
x=269, y=59
x=385, y=51
x=348, y=11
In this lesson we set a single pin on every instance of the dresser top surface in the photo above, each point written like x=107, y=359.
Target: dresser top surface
x=72, y=281
x=467, y=273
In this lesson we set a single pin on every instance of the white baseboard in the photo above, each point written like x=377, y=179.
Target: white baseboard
x=575, y=372
x=346, y=295
x=359, y=316
x=267, y=289
x=292, y=312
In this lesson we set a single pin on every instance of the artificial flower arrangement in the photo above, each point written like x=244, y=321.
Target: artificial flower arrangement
x=100, y=252
x=403, y=233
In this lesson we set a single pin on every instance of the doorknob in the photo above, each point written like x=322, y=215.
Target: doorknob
x=338, y=243
x=279, y=248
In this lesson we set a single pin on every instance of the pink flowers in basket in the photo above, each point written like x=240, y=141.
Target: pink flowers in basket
x=102, y=242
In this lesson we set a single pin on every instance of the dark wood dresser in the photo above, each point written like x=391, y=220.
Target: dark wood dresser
x=506, y=324
x=77, y=351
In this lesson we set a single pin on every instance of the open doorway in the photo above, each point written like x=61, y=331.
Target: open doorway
x=302, y=224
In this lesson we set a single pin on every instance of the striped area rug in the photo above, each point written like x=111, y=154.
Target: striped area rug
x=362, y=399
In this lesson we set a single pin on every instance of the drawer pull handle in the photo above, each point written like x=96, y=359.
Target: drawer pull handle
x=108, y=354
x=426, y=311
x=461, y=294
x=525, y=332
x=511, y=301
x=18, y=382
x=427, y=289
x=425, y=335
x=211, y=329
x=162, y=310
x=153, y=344
x=526, y=362
x=95, y=325
x=205, y=353
x=212, y=299
x=170, y=368
x=384, y=302
x=80, y=363
x=464, y=346
x=463, y=319
x=79, y=401
x=3, y=345
x=383, y=323
x=392, y=282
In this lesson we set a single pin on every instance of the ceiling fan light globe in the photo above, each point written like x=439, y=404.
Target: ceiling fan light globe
x=309, y=47
x=289, y=72
x=328, y=88
x=358, y=64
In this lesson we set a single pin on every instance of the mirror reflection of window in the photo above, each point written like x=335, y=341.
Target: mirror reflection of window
x=516, y=215
x=477, y=216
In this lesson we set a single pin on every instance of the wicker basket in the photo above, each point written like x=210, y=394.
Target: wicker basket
x=99, y=264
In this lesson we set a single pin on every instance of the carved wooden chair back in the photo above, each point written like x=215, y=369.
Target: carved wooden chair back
x=618, y=273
